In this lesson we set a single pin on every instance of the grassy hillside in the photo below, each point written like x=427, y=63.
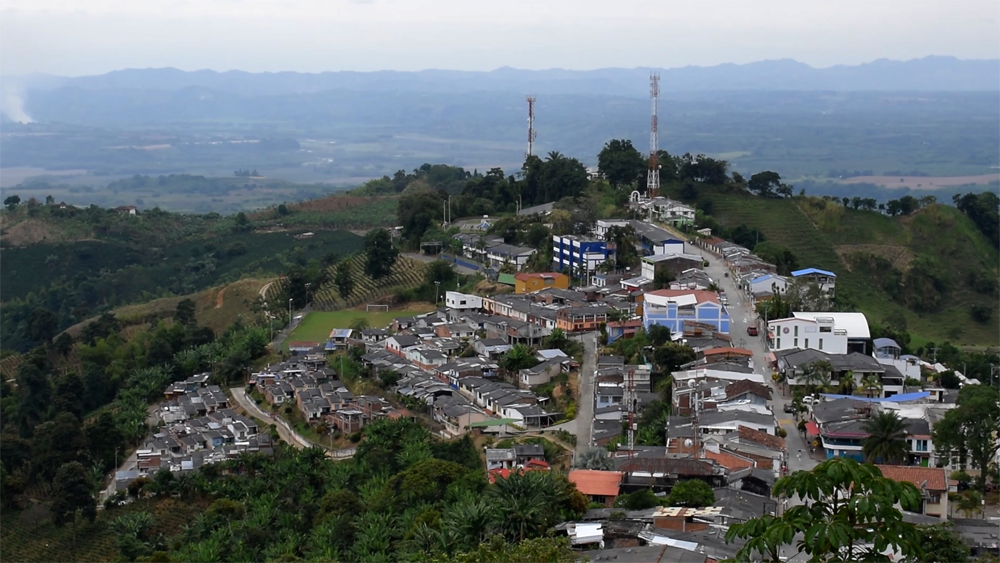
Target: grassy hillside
x=825, y=235
x=216, y=308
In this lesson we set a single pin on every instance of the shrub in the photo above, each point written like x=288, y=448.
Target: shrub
x=355, y=437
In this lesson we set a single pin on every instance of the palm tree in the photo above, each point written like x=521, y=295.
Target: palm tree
x=847, y=384
x=871, y=382
x=594, y=458
x=886, y=441
x=817, y=375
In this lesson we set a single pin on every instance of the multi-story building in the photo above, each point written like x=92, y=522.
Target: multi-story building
x=827, y=281
x=672, y=212
x=672, y=308
x=578, y=255
x=530, y=283
x=834, y=333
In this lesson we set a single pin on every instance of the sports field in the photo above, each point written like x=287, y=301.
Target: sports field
x=317, y=325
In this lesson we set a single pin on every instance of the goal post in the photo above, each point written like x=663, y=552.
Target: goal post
x=373, y=307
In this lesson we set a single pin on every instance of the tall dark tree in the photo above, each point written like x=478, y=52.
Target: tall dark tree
x=343, y=279
x=620, y=162
x=103, y=439
x=42, y=325
x=418, y=211
x=625, y=240
x=671, y=356
x=703, y=170
x=970, y=429
x=184, y=313
x=380, y=254
x=68, y=395
x=34, y=394
x=57, y=442
x=71, y=492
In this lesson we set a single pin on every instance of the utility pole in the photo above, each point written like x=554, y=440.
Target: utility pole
x=437, y=292
x=653, y=176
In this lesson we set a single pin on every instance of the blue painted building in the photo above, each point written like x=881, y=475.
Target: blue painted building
x=577, y=256
x=673, y=307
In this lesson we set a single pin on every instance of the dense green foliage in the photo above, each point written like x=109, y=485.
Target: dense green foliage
x=692, y=493
x=43, y=419
x=132, y=259
x=886, y=442
x=404, y=496
x=969, y=431
x=850, y=515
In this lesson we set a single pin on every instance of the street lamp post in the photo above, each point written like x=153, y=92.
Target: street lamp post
x=289, y=312
x=437, y=292
x=307, y=292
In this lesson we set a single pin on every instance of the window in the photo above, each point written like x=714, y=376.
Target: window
x=826, y=329
x=920, y=445
x=796, y=331
x=795, y=343
x=820, y=343
x=807, y=342
x=778, y=344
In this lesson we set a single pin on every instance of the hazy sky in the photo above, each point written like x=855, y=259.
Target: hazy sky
x=95, y=36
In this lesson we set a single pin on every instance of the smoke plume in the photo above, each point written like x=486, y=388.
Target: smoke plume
x=12, y=106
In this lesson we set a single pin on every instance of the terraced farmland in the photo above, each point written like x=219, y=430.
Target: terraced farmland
x=406, y=273
x=8, y=365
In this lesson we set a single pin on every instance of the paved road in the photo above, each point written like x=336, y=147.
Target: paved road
x=585, y=404
x=285, y=431
x=742, y=316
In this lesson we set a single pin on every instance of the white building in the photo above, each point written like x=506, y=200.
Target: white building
x=604, y=225
x=856, y=325
x=826, y=280
x=673, y=212
x=818, y=334
x=767, y=283
x=463, y=301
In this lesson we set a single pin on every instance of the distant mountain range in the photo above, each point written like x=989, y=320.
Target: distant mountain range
x=926, y=74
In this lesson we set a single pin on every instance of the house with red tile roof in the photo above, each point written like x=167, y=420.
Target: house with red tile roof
x=932, y=482
x=599, y=486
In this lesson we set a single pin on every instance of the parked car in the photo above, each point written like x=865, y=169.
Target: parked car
x=752, y=330
x=789, y=408
x=810, y=400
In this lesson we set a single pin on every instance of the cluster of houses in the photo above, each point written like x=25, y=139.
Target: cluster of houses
x=308, y=385
x=196, y=427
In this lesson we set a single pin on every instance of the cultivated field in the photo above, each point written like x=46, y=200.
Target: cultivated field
x=923, y=182
x=317, y=325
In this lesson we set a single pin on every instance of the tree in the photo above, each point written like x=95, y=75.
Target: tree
x=971, y=428
x=11, y=202
x=359, y=324
x=764, y=183
x=620, y=162
x=849, y=515
x=519, y=357
x=886, y=441
x=969, y=503
x=817, y=375
x=68, y=395
x=941, y=543
x=103, y=439
x=71, y=492
x=184, y=314
x=58, y=442
x=671, y=356
x=63, y=344
x=639, y=500
x=982, y=313
x=380, y=254
x=872, y=384
x=625, y=240
x=693, y=493
x=42, y=325
x=594, y=458
x=949, y=380
x=343, y=279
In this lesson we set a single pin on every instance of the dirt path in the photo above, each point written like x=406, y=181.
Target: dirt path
x=219, y=297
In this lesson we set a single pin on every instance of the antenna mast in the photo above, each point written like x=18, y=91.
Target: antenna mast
x=630, y=400
x=653, y=177
x=531, y=124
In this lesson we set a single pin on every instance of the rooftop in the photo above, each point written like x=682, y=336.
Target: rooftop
x=856, y=324
x=593, y=482
x=935, y=477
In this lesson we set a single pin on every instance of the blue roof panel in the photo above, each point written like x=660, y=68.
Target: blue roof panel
x=900, y=398
x=806, y=271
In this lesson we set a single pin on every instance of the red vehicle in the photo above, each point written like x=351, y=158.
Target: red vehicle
x=752, y=330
